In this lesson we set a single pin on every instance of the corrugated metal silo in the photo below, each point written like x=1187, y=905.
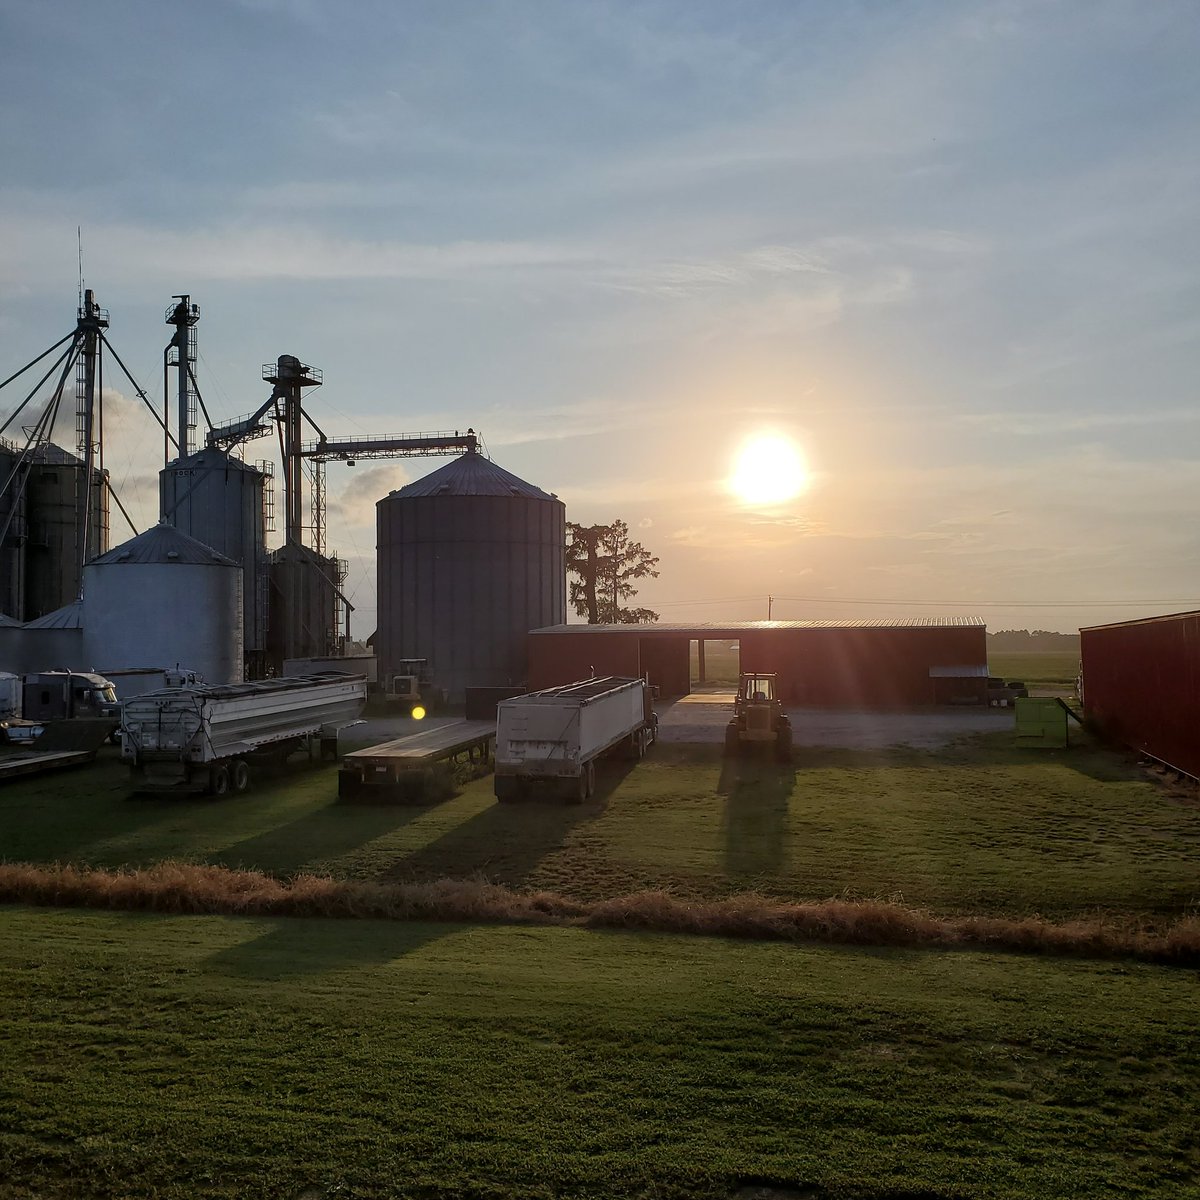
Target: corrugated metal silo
x=162, y=599
x=471, y=558
x=12, y=531
x=304, y=604
x=219, y=500
x=52, y=551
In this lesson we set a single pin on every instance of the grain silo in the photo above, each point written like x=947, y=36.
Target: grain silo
x=305, y=604
x=471, y=558
x=222, y=502
x=53, y=554
x=13, y=522
x=164, y=599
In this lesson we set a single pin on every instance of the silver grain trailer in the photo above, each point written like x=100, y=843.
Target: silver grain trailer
x=552, y=739
x=206, y=737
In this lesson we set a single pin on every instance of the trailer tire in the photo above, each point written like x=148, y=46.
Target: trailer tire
x=218, y=780
x=240, y=775
x=590, y=779
x=733, y=744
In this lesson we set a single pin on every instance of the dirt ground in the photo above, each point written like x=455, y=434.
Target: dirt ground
x=702, y=716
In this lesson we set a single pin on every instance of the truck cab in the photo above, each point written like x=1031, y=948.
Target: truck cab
x=66, y=695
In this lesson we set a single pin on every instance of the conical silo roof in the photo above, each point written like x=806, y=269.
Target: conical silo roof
x=471, y=475
x=163, y=544
x=70, y=616
x=210, y=456
x=7, y=622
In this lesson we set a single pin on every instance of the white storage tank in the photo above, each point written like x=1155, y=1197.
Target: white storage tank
x=12, y=644
x=471, y=558
x=54, y=642
x=162, y=599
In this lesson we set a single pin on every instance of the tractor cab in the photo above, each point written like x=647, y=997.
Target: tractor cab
x=756, y=689
x=758, y=717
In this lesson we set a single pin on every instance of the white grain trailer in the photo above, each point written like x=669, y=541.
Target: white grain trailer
x=206, y=737
x=551, y=739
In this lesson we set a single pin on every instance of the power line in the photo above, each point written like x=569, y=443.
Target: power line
x=931, y=603
x=988, y=603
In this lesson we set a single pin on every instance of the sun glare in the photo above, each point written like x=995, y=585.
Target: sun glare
x=768, y=470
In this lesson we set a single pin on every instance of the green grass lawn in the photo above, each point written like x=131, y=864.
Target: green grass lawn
x=980, y=827
x=1042, y=669
x=210, y=1056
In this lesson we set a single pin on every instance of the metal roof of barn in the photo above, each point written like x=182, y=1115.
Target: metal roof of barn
x=163, y=544
x=710, y=629
x=471, y=475
x=1141, y=621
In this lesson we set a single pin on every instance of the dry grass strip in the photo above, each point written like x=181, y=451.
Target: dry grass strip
x=171, y=887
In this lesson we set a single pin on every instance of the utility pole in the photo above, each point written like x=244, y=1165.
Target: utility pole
x=770, y=602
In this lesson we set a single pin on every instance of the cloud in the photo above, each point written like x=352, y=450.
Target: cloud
x=352, y=502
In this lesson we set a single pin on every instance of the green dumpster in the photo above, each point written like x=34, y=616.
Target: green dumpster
x=1042, y=722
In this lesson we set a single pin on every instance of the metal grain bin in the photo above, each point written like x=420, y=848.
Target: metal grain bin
x=219, y=500
x=163, y=599
x=54, y=642
x=304, y=607
x=471, y=558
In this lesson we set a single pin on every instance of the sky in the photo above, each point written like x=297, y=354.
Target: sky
x=948, y=250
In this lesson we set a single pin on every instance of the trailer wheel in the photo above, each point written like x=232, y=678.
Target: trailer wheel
x=218, y=780
x=590, y=780
x=240, y=775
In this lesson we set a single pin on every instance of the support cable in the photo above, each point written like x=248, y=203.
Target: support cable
x=39, y=358
x=17, y=412
x=140, y=391
x=113, y=493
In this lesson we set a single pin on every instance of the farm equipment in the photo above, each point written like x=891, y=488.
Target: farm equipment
x=758, y=719
x=409, y=686
x=205, y=738
x=551, y=739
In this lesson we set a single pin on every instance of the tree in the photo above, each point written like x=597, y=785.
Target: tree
x=605, y=562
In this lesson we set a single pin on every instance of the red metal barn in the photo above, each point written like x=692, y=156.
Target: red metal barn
x=1141, y=686
x=831, y=664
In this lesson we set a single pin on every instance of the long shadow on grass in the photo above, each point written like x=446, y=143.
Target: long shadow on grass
x=1103, y=764
x=755, y=819
x=318, y=836
x=505, y=842
x=298, y=946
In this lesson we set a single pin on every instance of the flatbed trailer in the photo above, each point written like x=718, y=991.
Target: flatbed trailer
x=403, y=767
x=35, y=763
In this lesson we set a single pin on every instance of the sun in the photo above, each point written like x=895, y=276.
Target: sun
x=769, y=469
